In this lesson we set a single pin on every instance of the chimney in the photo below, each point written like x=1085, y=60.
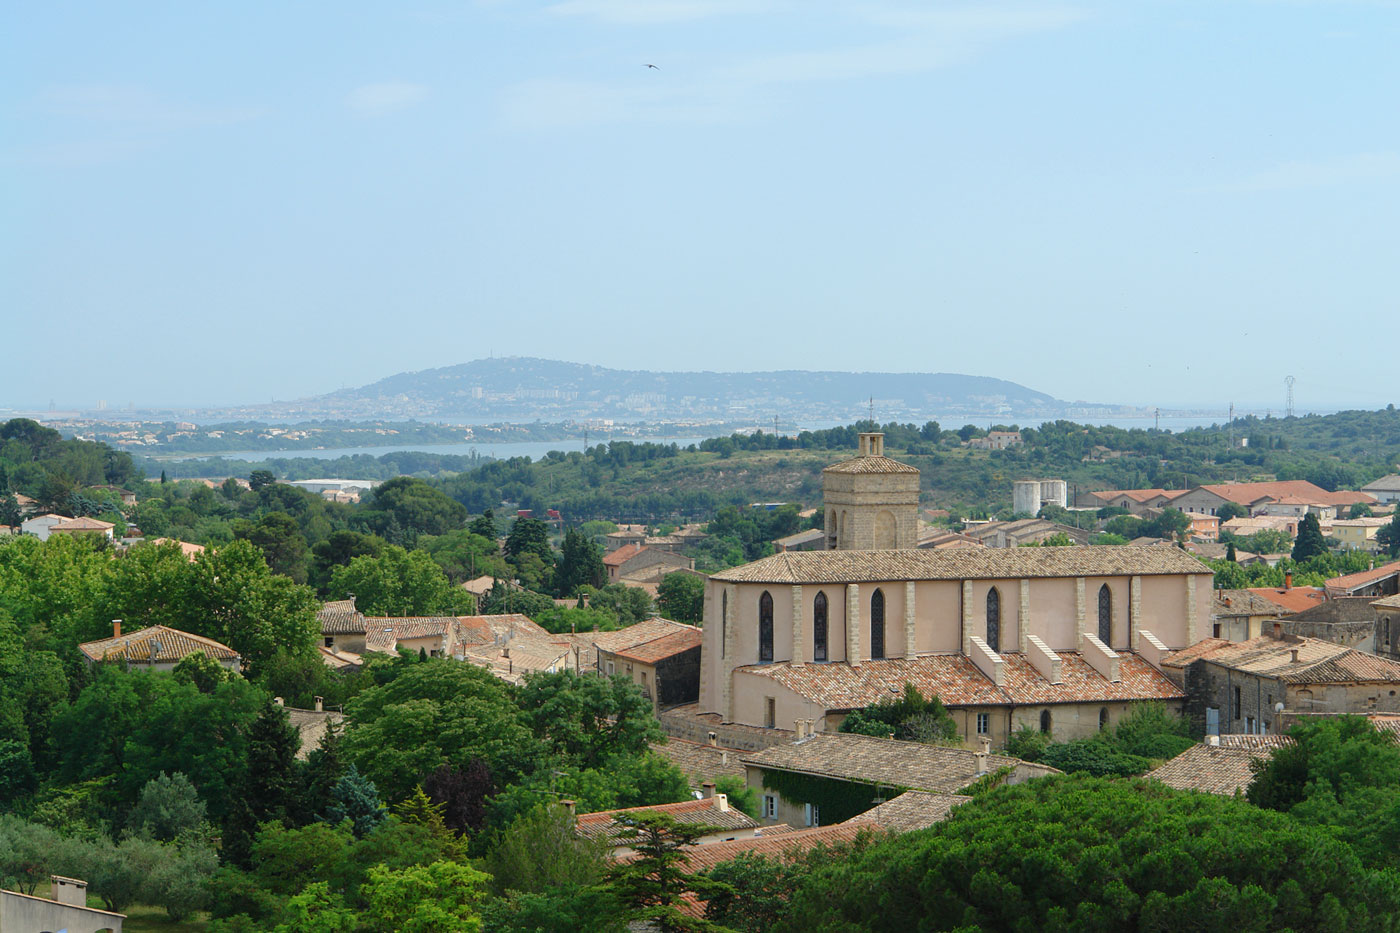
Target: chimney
x=1212, y=740
x=712, y=739
x=505, y=652
x=1293, y=656
x=981, y=757
x=1278, y=630
x=116, y=628
x=278, y=701
x=707, y=790
x=569, y=807
x=320, y=704
x=984, y=744
x=724, y=757
x=722, y=803
x=1288, y=579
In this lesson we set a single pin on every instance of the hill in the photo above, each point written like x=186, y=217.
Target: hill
x=527, y=388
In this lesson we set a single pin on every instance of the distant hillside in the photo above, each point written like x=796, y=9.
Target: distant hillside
x=525, y=388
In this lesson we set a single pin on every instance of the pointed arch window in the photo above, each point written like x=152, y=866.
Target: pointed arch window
x=877, y=624
x=765, y=628
x=819, y=627
x=1106, y=615
x=994, y=619
x=723, y=622
x=1045, y=722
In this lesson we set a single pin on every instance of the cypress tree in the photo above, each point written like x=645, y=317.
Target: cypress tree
x=1309, y=542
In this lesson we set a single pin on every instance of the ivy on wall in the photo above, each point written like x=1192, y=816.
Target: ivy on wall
x=838, y=801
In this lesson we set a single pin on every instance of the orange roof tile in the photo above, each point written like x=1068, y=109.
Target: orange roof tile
x=1353, y=581
x=664, y=647
x=156, y=644
x=1294, y=599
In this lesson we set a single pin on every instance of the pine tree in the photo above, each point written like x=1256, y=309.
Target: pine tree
x=580, y=564
x=355, y=798
x=324, y=767
x=271, y=782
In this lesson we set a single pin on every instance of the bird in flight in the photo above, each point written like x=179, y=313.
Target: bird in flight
x=653, y=66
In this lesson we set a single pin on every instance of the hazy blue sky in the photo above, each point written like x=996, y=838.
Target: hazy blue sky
x=1151, y=202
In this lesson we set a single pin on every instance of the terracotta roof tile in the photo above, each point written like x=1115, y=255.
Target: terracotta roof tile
x=711, y=811
x=914, y=809
x=869, y=760
x=340, y=617
x=783, y=846
x=961, y=564
x=870, y=465
x=701, y=763
x=1353, y=581
x=622, y=555
x=664, y=647
x=634, y=636
x=1319, y=662
x=156, y=644
x=957, y=681
x=1294, y=599
x=1213, y=769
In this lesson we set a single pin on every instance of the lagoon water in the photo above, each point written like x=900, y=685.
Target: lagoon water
x=536, y=449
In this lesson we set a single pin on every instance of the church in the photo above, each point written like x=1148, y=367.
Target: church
x=1062, y=639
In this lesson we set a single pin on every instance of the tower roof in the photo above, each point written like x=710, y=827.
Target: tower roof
x=870, y=465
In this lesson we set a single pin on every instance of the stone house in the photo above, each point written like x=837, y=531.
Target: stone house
x=661, y=656
x=638, y=563
x=1022, y=532
x=342, y=626
x=1387, y=612
x=1136, y=501
x=83, y=526
x=157, y=648
x=995, y=440
x=1239, y=615
x=1247, y=687
x=1218, y=765
x=875, y=769
x=1346, y=620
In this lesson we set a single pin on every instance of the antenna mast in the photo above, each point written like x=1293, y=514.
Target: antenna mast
x=1288, y=409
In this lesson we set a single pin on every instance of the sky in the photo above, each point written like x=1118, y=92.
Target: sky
x=1158, y=203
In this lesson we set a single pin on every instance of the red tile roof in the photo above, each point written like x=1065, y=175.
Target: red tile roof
x=1294, y=599
x=1318, y=661
x=1353, y=581
x=782, y=846
x=622, y=555
x=1248, y=493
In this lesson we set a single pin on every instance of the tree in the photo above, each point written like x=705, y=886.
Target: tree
x=1080, y=853
x=316, y=909
x=528, y=536
x=396, y=582
x=337, y=550
x=1360, y=510
x=464, y=555
x=580, y=564
x=235, y=598
x=1389, y=535
x=588, y=718
x=356, y=799
x=256, y=479
x=169, y=806
x=462, y=793
x=279, y=538
x=204, y=672
x=629, y=603
x=1230, y=553
x=1232, y=510
x=403, y=508
x=681, y=597
x=485, y=526
x=542, y=850
x=443, y=897
x=433, y=713
x=652, y=887
x=911, y=717
x=1340, y=774
x=180, y=883
x=271, y=783
x=1310, y=542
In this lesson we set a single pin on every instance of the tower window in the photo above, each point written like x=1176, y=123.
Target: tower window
x=994, y=619
x=877, y=624
x=765, y=628
x=819, y=627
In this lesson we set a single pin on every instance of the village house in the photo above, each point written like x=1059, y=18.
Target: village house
x=1235, y=687
x=1387, y=612
x=660, y=656
x=636, y=563
x=1385, y=490
x=1291, y=599
x=1358, y=534
x=83, y=526
x=40, y=525
x=1344, y=620
x=1378, y=581
x=156, y=648
x=1239, y=615
x=813, y=539
x=1136, y=501
x=995, y=440
x=1210, y=499
x=874, y=770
